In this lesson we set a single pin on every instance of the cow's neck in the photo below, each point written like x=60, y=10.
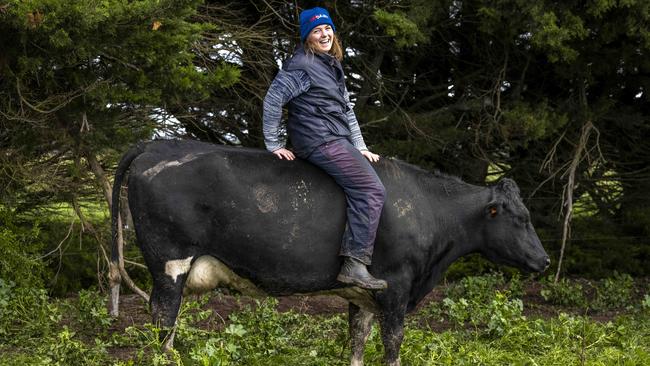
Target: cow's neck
x=458, y=215
x=462, y=237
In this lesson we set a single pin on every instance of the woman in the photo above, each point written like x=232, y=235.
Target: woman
x=324, y=130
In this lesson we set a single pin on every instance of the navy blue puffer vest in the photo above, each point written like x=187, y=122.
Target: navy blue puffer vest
x=318, y=115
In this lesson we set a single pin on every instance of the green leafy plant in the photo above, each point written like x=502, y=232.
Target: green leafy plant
x=220, y=351
x=497, y=316
x=27, y=313
x=502, y=314
x=66, y=349
x=91, y=311
x=477, y=288
x=21, y=246
x=563, y=293
x=614, y=292
x=458, y=311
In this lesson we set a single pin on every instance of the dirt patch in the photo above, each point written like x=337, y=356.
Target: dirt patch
x=133, y=311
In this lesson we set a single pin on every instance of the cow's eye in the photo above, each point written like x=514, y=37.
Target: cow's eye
x=493, y=211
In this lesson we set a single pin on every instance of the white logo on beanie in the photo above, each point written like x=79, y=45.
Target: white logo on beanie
x=318, y=16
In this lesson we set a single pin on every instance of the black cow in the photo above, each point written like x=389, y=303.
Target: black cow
x=211, y=216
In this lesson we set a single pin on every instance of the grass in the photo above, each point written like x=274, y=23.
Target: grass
x=480, y=321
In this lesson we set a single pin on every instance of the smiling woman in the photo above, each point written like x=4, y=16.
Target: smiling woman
x=324, y=130
x=322, y=39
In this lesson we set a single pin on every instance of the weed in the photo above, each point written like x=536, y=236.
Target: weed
x=479, y=289
x=27, y=313
x=91, y=311
x=484, y=301
x=563, y=293
x=614, y=292
x=502, y=314
x=220, y=351
x=65, y=349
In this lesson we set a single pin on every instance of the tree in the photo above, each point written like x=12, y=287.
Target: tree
x=80, y=81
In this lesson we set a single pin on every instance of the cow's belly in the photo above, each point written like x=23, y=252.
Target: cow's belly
x=207, y=273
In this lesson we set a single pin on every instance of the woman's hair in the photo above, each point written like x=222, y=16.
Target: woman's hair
x=336, y=51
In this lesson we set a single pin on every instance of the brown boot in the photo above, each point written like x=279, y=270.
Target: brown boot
x=354, y=272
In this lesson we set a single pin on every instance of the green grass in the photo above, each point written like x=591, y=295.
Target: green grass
x=490, y=330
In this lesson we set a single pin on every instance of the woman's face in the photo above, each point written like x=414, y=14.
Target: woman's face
x=321, y=37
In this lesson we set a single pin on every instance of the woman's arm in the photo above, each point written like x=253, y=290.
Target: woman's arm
x=355, y=137
x=285, y=86
x=355, y=130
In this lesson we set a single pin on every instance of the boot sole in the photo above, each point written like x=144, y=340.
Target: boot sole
x=353, y=281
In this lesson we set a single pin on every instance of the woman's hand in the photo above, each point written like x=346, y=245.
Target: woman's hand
x=283, y=153
x=370, y=156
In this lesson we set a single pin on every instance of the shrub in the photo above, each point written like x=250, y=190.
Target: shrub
x=21, y=248
x=26, y=313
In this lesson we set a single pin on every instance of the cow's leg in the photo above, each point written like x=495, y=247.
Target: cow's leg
x=165, y=303
x=360, y=323
x=392, y=334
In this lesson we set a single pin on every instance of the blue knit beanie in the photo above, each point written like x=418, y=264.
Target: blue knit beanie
x=311, y=18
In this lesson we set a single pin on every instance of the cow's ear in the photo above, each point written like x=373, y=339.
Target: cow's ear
x=493, y=209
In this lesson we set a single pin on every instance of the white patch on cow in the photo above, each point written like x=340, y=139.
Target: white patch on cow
x=266, y=199
x=177, y=267
x=299, y=195
x=156, y=169
x=208, y=273
x=403, y=207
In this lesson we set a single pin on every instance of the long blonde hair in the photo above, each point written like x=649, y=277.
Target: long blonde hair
x=336, y=51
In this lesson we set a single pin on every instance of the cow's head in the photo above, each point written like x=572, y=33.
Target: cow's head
x=510, y=236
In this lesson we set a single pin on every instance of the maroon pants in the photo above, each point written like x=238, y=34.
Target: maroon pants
x=364, y=192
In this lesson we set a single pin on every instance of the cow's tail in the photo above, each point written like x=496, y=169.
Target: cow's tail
x=116, y=265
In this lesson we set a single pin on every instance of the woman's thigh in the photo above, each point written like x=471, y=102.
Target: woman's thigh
x=341, y=160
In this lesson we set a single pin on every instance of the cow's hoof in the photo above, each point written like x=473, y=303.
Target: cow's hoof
x=353, y=272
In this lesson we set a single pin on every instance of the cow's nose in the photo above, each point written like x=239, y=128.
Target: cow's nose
x=548, y=263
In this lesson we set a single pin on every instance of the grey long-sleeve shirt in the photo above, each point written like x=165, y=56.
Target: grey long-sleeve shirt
x=286, y=86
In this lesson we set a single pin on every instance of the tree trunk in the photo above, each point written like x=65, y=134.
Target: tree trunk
x=580, y=150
